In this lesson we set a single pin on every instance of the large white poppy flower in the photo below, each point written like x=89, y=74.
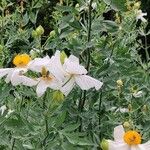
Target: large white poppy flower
x=75, y=73
x=48, y=78
x=15, y=75
x=130, y=140
x=140, y=16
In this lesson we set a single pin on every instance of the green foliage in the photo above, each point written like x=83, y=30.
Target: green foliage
x=53, y=122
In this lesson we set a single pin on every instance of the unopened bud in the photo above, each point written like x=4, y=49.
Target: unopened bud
x=130, y=107
x=62, y=57
x=119, y=82
x=52, y=33
x=34, y=34
x=137, y=5
x=104, y=144
x=61, y=2
x=126, y=124
x=145, y=108
x=77, y=5
x=39, y=30
x=1, y=48
x=58, y=96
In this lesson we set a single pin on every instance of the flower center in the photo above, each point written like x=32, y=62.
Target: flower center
x=21, y=60
x=45, y=74
x=132, y=138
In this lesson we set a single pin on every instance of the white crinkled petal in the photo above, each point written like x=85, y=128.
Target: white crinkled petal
x=37, y=64
x=8, y=77
x=16, y=77
x=118, y=145
x=56, y=68
x=29, y=81
x=86, y=82
x=41, y=88
x=136, y=147
x=55, y=84
x=73, y=67
x=119, y=133
x=5, y=71
x=66, y=89
x=145, y=146
x=74, y=59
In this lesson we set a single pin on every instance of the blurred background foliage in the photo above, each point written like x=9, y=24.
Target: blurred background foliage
x=118, y=47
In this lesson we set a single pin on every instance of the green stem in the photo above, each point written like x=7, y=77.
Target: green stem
x=46, y=125
x=2, y=29
x=89, y=35
x=13, y=144
x=45, y=119
x=47, y=131
x=100, y=105
x=83, y=94
x=146, y=49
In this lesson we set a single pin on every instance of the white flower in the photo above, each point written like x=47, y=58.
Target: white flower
x=130, y=140
x=49, y=69
x=140, y=16
x=2, y=109
x=75, y=73
x=14, y=75
x=9, y=112
x=138, y=94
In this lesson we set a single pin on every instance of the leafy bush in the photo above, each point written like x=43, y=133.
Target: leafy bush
x=110, y=50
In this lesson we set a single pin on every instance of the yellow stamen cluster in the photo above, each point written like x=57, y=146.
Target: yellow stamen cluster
x=132, y=138
x=21, y=60
x=45, y=74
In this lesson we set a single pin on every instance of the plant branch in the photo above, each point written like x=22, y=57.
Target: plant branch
x=100, y=105
x=83, y=93
x=146, y=49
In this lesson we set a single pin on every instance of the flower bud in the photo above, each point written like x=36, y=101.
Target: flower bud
x=52, y=33
x=119, y=82
x=104, y=144
x=130, y=107
x=34, y=34
x=126, y=124
x=61, y=2
x=1, y=48
x=39, y=30
x=58, y=96
x=137, y=5
x=77, y=5
x=145, y=108
x=62, y=57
